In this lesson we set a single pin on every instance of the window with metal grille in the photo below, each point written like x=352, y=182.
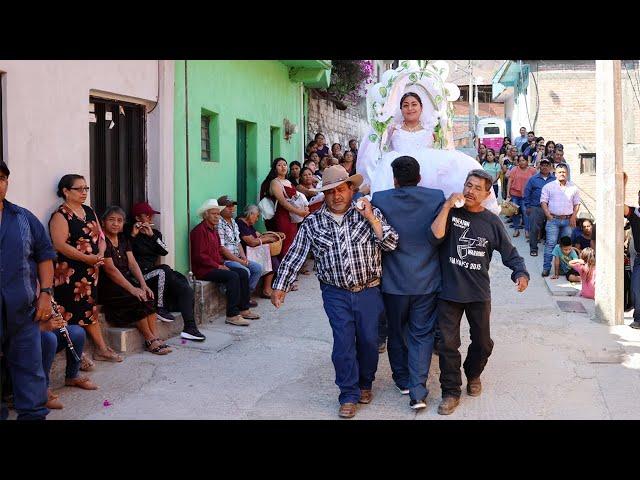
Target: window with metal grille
x=484, y=93
x=588, y=163
x=209, y=136
x=118, y=167
x=205, y=139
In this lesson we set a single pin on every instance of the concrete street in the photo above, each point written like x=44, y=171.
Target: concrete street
x=546, y=364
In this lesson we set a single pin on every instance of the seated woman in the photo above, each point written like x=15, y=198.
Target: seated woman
x=124, y=294
x=306, y=183
x=250, y=237
x=52, y=342
x=294, y=172
x=348, y=162
x=336, y=151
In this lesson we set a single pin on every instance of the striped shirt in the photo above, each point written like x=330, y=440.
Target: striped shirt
x=347, y=254
x=560, y=200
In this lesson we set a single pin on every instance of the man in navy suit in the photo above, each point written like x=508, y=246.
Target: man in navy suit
x=410, y=277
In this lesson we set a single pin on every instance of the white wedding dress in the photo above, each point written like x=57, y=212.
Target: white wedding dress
x=444, y=170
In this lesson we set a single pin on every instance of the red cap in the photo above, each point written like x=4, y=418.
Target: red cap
x=142, y=207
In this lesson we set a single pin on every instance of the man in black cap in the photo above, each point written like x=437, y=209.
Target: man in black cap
x=26, y=263
x=170, y=287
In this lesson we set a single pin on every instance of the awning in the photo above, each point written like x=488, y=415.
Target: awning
x=312, y=73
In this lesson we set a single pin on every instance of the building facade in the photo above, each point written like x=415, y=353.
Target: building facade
x=557, y=100
x=110, y=121
x=241, y=115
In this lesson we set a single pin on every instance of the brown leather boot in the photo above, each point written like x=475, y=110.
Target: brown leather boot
x=365, y=396
x=347, y=410
x=448, y=405
x=474, y=387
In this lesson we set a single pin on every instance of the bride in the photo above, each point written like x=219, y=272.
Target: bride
x=417, y=125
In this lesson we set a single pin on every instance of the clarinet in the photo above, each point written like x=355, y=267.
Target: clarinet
x=64, y=332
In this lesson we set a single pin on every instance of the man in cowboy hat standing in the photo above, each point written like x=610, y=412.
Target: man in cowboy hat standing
x=207, y=264
x=347, y=243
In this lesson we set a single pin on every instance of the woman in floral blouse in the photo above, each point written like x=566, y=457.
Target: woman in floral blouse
x=79, y=241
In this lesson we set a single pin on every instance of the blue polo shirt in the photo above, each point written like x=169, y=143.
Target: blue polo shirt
x=24, y=243
x=533, y=189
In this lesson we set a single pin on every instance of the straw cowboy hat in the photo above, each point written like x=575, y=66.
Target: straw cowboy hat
x=210, y=204
x=334, y=176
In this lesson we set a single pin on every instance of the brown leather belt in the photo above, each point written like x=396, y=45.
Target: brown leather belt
x=561, y=217
x=371, y=284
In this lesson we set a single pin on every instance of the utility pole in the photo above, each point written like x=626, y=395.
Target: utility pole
x=472, y=129
x=609, y=192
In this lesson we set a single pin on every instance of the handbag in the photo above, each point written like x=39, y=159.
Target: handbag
x=261, y=255
x=298, y=201
x=267, y=208
x=276, y=247
x=509, y=209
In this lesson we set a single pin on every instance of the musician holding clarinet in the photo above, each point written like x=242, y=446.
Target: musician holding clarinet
x=26, y=259
x=56, y=335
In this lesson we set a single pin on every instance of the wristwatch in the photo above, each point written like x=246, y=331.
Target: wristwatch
x=48, y=290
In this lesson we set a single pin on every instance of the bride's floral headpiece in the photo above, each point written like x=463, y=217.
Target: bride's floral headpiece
x=427, y=79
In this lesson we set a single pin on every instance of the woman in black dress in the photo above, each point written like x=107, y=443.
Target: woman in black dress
x=124, y=295
x=79, y=241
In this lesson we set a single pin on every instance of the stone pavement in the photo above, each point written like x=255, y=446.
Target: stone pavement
x=546, y=364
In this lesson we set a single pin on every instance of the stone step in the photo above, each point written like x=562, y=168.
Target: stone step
x=562, y=287
x=210, y=303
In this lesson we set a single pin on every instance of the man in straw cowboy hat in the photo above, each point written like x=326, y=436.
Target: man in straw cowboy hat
x=347, y=243
x=207, y=264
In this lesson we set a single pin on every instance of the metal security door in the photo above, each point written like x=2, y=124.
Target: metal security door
x=117, y=154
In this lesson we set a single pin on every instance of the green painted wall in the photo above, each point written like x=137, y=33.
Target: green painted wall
x=257, y=92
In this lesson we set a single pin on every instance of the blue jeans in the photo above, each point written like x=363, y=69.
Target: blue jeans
x=354, y=319
x=53, y=342
x=635, y=288
x=254, y=270
x=522, y=214
x=23, y=359
x=556, y=229
x=412, y=320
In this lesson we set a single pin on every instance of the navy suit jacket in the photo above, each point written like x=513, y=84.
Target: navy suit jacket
x=413, y=268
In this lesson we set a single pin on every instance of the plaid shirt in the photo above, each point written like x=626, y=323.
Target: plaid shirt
x=229, y=236
x=347, y=255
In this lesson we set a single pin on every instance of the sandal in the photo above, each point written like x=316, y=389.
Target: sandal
x=86, y=364
x=294, y=287
x=81, y=382
x=157, y=350
x=110, y=356
x=164, y=345
x=516, y=233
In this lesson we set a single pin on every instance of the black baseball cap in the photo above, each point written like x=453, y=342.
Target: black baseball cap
x=545, y=160
x=4, y=169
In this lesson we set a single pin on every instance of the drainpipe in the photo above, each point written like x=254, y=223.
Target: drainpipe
x=186, y=135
